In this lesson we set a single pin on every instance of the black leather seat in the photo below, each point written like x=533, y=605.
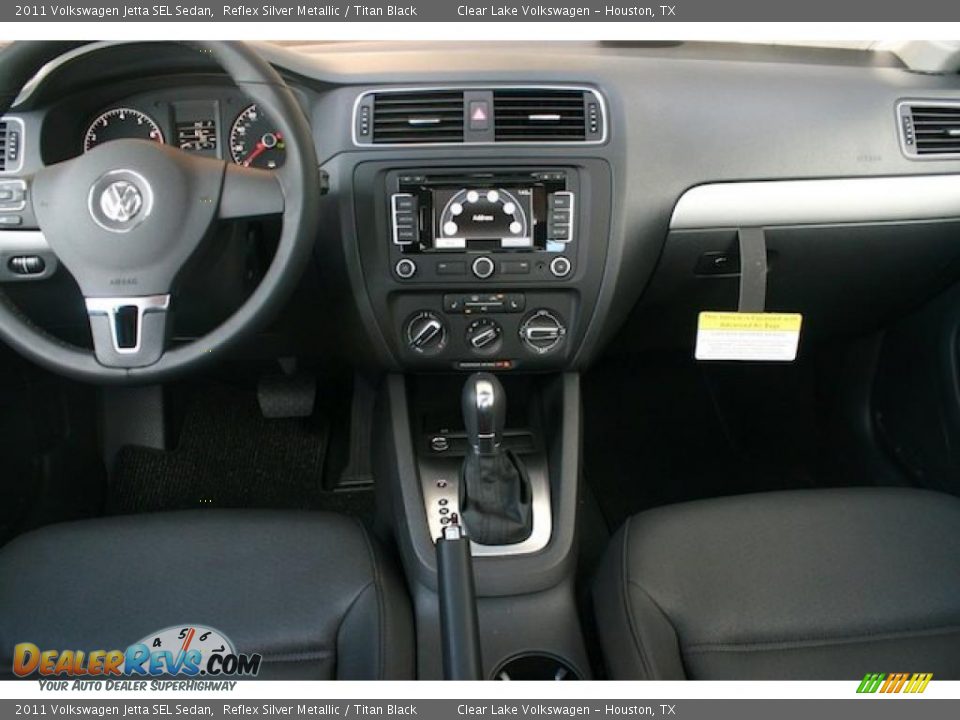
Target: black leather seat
x=308, y=591
x=828, y=584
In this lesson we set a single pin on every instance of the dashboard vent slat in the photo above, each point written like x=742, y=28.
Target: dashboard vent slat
x=418, y=117
x=535, y=115
x=930, y=130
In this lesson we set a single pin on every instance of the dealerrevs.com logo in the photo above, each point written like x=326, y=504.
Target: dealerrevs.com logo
x=190, y=651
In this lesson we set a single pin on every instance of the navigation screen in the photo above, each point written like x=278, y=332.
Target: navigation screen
x=467, y=215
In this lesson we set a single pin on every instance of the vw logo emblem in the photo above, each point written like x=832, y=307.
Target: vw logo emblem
x=120, y=200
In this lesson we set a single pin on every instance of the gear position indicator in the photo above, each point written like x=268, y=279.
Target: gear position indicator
x=493, y=215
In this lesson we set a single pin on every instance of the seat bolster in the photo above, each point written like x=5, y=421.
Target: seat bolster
x=379, y=619
x=637, y=638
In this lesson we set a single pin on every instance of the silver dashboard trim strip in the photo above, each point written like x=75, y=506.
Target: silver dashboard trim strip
x=482, y=86
x=818, y=202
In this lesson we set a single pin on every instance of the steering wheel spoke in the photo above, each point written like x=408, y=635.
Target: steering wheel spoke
x=128, y=332
x=249, y=192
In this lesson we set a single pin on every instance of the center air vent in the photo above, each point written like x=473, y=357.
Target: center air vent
x=418, y=117
x=515, y=114
x=930, y=130
x=11, y=136
x=541, y=115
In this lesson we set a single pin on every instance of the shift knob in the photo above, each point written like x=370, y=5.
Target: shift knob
x=484, y=412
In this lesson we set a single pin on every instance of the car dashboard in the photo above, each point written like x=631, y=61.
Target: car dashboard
x=495, y=207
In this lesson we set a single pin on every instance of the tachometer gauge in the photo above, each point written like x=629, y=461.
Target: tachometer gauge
x=255, y=141
x=121, y=123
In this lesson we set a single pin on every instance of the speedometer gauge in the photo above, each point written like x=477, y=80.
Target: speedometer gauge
x=255, y=141
x=121, y=123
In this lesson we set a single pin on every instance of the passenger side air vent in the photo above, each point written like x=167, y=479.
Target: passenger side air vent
x=11, y=138
x=418, y=117
x=543, y=115
x=930, y=130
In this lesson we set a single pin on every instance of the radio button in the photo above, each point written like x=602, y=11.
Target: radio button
x=515, y=267
x=451, y=268
x=404, y=218
x=404, y=203
x=516, y=302
x=405, y=268
x=403, y=212
x=560, y=267
x=483, y=267
x=561, y=201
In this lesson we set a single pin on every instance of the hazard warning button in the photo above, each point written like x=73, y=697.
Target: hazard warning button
x=479, y=115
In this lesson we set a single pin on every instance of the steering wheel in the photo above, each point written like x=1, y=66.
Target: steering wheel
x=125, y=218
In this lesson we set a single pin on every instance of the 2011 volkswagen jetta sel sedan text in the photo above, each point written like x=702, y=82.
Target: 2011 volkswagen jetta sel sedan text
x=465, y=360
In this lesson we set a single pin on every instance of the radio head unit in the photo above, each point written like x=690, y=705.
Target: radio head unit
x=482, y=212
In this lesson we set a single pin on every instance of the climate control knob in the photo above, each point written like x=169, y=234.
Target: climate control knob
x=426, y=333
x=484, y=336
x=542, y=331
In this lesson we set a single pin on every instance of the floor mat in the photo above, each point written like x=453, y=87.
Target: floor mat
x=663, y=430
x=230, y=456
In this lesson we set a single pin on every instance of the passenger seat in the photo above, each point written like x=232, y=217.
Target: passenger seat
x=820, y=584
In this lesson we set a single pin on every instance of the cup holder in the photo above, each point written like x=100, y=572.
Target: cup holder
x=536, y=666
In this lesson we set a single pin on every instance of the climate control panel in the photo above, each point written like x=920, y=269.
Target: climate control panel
x=500, y=330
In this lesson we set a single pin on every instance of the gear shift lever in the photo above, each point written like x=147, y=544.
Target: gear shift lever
x=494, y=488
x=484, y=413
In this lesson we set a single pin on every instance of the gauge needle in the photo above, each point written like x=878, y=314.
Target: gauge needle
x=259, y=149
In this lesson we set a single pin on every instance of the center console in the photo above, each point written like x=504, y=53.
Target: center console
x=481, y=271
x=479, y=267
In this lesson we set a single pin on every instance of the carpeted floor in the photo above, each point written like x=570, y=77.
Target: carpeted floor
x=229, y=456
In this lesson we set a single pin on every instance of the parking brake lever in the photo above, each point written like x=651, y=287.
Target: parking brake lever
x=459, y=628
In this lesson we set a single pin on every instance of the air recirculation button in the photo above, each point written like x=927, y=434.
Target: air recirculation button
x=542, y=331
x=426, y=333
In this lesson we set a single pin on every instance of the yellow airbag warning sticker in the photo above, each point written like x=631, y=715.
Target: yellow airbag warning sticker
x=748, y=336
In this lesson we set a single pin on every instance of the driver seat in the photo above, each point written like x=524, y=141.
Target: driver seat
x=309, y=591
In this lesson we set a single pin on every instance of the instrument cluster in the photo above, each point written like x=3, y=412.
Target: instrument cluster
x=223, y=125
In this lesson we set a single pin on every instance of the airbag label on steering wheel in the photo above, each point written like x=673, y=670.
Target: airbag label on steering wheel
x=748, y=336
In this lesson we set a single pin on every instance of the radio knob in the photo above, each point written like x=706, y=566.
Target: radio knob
x=560, y=266
x=484, y=336
x=405, y=268
x=483, y=267
x=426, y=333
x=542, y=331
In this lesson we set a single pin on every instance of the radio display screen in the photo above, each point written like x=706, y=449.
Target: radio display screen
x=484, y=211
x=476, y=216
